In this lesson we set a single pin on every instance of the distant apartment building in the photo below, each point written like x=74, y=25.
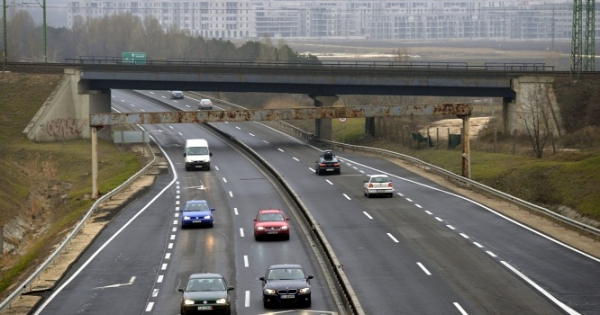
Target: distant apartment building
x=384, y=19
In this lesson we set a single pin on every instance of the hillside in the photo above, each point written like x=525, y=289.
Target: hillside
x=44, y=187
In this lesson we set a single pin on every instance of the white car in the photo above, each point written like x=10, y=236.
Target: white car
x=378, y=185
x=205, y=104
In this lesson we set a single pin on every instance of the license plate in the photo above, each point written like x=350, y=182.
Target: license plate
x=197, y=221
x=205, y=308
x=272, y=232
x=329, y=169
x=288, y=296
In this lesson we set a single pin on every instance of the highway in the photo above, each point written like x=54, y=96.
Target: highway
x=425, y=251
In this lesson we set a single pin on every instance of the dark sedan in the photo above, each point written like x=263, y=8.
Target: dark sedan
x=327, y=163
x=206, y=293
x=286, y=284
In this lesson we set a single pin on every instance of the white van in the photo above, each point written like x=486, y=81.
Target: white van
x=197, y=154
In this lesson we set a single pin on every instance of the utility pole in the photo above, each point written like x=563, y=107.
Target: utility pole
x=5, y=52
x=45, y=49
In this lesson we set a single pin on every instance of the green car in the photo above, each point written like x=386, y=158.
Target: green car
x=206, y=293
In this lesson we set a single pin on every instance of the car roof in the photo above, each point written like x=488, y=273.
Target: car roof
x=378, y=175
x=284, y=266
x=177, y=91
x=204, y=275
x=270, y=211
x=196, y=201
x=204, y=99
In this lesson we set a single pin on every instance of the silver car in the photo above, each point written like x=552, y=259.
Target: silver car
x=378, y=185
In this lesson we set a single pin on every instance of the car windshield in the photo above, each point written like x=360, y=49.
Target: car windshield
x=197, y=151
x=286, y=274
x=196, y=206
x=196, y=285
x=271, y=217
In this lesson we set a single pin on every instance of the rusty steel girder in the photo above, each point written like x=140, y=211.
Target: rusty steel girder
x=359, y=111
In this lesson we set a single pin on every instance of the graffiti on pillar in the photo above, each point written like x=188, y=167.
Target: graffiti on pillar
x=66, y=128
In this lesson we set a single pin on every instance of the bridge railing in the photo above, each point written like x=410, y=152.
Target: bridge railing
x=479, y=66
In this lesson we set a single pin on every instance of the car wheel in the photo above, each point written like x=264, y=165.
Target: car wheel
x=256, y=238
x=317, y=171
x=368, y=195
x=391, y=195
x=308, y=303
x=266, y=304
x=287, y=237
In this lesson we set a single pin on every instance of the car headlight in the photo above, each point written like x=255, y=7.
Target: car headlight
x=304, y=290
x=260, y=228
x=222, y=301
x=285, y=227
x=188, y=302
x=186, y=218
x=207, y=217
x=269, y=291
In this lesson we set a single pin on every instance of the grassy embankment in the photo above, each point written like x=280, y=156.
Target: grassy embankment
x=45, y=184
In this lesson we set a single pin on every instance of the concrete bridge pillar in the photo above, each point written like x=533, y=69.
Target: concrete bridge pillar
x=323, y=126
x=535, y=105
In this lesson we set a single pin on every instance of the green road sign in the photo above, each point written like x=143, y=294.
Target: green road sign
x=138, y=58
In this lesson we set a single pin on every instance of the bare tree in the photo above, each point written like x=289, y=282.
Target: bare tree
x=536, y=116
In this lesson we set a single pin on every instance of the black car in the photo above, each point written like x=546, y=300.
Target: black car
x=327, y=162
x=286, y=284
x=206, y=293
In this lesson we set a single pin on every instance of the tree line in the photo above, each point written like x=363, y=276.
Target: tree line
x=112, y=35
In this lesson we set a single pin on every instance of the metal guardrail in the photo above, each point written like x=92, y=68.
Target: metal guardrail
x=594, y=232
x=27, y=283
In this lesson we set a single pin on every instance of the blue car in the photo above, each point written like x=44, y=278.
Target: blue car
x=196, y=212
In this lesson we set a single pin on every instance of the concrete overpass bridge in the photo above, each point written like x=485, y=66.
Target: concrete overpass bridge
x=82, y=99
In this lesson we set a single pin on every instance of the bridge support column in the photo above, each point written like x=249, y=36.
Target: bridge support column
x=534, y=107
x=323, y=126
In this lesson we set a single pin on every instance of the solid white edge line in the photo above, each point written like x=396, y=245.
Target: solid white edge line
x=117, y=233
x=540, y=289
x=482, y=206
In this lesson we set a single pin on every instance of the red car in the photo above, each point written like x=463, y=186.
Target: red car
x=271, y=223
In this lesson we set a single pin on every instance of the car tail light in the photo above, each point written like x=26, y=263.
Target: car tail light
x=370, y=185
x=390, y=185
x=336, y=164
x=322, y=164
